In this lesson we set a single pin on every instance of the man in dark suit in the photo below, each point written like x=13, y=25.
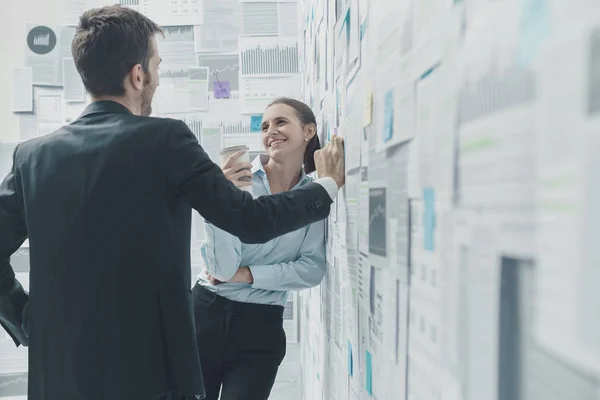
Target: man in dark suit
x=106, y=204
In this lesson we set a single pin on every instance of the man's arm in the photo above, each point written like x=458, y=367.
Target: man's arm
x=13, y=233
x=194, y=178
x=305, y=272
x=221, y=252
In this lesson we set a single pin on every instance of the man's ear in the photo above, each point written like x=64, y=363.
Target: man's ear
x=136, y=77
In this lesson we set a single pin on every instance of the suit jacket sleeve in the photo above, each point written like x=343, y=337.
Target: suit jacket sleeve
x=13, y=233
x=193, y=177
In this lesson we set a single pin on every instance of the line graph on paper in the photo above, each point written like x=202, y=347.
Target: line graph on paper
x=225, y=65
x=377, y=221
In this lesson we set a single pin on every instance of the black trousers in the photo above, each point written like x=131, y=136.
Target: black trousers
x=241, y=346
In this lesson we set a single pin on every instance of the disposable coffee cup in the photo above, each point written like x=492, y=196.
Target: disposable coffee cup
x=244, y=158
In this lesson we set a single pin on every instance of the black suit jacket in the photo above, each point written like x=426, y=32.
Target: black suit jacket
x=106, y=204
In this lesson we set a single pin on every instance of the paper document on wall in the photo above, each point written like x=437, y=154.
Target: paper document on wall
x=22, y=90
x=268, y=56
x=275, y=18
x=45, y=49
x=257, y=93
x=220, y=28
x=221, y=67
x=567, y=200
x=74, y=90
x=28, y=126
x=176, y=49
x=496, y=128
x=72, y=9
x=49, y=113
x=181, y=91
x=198, y=81
x=211, y=141
x=173, y=12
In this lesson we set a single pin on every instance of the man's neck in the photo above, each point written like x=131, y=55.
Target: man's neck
x=284, y=175
x=135, y=109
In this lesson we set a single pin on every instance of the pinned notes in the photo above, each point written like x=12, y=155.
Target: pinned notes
x=534, y=29
x=388, y=116
x=350, y=360
x=222, y=90
x=255, y=121
x=428, y=218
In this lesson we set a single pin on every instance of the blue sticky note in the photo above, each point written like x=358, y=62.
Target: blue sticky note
x=428, y=218
x=369, y=374
x=222, y=89
x=533, y=30
x=388, y=116
x=363, y=29
x=350, y=360
x=255, y=121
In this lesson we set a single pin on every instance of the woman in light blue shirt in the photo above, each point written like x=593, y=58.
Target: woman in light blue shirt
x=238, y=302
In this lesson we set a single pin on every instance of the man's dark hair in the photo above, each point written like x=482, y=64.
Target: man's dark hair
x=306, y=117
x=108, y=42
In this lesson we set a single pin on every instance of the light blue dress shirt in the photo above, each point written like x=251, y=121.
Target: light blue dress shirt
x=290, y=262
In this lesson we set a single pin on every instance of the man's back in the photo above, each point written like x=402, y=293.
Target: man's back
x=110, y=268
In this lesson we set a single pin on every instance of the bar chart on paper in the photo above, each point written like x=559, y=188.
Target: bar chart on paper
x=268, y=56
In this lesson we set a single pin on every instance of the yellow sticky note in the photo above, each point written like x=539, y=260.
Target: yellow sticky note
x=368, y=113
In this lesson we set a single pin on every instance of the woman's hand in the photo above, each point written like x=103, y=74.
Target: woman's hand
x=240, y=174
x=211, y=279
x=242, y=275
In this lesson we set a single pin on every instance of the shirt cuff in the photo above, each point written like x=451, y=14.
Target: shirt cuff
x=329, y=185
x=261, y=278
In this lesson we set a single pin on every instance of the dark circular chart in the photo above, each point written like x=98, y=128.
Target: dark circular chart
x=41, y=40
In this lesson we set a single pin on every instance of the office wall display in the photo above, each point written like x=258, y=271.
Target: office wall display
x=460, y=258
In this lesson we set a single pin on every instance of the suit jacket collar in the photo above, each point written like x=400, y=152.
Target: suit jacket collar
x=105, y=106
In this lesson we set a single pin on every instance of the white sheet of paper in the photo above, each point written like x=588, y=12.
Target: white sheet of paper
x=173, y=95
x=46, y=66
x=496, y=129
x=28, y=126
x=74, y=91
x=257, y=93
x=567, y=199
x=177, y=48
x=49, y=112
x=211, y=141
x=198, y=81
x=22, y=90
x=220, y=28
x=72, y=9
x=260, y=18
x=72, y=111
x=173, y=12
x=287, y=15
x=268, y=56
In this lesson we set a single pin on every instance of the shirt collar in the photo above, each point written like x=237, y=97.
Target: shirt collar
x=258, y=167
